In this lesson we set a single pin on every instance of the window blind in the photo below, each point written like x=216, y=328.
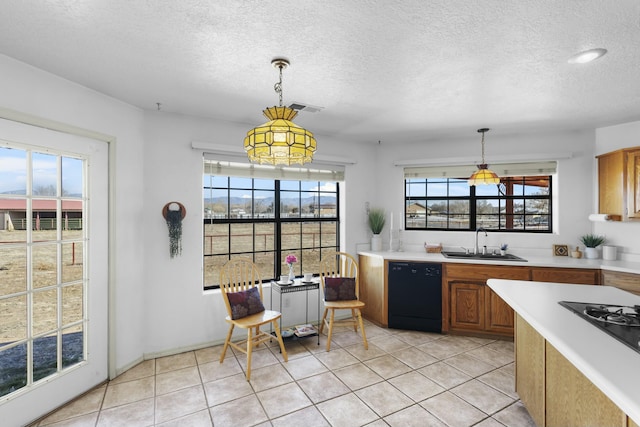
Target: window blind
x=464, y=171
x=249, y=170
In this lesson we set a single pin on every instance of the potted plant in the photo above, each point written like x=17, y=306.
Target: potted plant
x=376, y=224
x=591, y=243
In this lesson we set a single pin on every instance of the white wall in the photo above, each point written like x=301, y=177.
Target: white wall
x=573, y=195
x=41, y=97
x=178, y=314
x=621, y=234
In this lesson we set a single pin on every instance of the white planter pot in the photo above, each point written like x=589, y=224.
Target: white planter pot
x=376, y=243
x=591, y=253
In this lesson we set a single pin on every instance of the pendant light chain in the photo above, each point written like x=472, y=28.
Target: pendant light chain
x=483, y=147
x=278, y=86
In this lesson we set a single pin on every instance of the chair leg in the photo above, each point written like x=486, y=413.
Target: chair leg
x=364, y=335
x=276, y=327
x=249, y=348
x=226, y=343
x=324, y=317
x=355, y=319
x=330, y=331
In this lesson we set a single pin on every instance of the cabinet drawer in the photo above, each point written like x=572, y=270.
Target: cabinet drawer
x=483, y=272
x=566, y=275
x=625, y=281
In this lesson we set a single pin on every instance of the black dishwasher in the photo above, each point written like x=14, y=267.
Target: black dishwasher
x=415, y=296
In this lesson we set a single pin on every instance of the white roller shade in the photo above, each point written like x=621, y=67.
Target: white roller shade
x=248, y=170
x=464, y=171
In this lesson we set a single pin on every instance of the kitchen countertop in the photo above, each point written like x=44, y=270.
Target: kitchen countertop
x=533, y=260
x=609, y=364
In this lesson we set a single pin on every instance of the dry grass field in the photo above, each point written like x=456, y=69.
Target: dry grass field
x=44, y=273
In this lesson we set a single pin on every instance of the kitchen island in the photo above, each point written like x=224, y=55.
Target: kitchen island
x=568, y=371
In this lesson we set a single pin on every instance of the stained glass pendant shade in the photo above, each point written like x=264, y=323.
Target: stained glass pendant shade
x=280, y=141
x=484, y=175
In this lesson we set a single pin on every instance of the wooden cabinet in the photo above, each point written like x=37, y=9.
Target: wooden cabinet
x=554, y=391
x=373, y=289
x=619, y=184
x=566, y=275
x=626, y=281
x=472, y=306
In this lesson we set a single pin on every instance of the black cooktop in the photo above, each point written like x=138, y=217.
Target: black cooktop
x=621, y=322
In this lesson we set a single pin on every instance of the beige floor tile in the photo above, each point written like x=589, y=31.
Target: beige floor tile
x=414, y=358
x=413, y=416
x=503, y=346
x=346, y=338
x=323, y=387
x=211, y=354
x=177, y=361
x=416, y=338
x=359, y=352
x=88, y=403
x=336, y=358
x=489, y=422
x=384, y=398
x=269, y=377
x=377, y=423
x=452, y=410
x=131, y=391
x=176, y=380
x=469, y=365
x=515, y=415
x=180, y=403
x=416, y=386
x=282, y=400
x=295, y=349
x=304, y=367
x=243, y=412
x=80, y=421
x=341, y=411
x=445, y=375
x=227, y=389
x=141, y=370
x=490, y=356
x=448, y=346
x=357, y=376
x=482, y=396
x=389, y=344
x=387, y=366
x=502, y=380
x=259, y=359
x=215, y=370
x=198, y=419
x=307, y=417
x=137, y=414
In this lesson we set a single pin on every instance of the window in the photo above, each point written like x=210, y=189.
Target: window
x=520, y=203
x=248, y=213
x=42, y=277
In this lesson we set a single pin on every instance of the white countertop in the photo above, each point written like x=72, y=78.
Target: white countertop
x=533, y=260
x=609, y=364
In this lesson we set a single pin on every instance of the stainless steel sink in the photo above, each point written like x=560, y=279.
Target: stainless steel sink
x=485, y=257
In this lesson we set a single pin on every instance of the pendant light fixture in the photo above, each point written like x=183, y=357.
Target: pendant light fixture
x=280, y=141
x=483, y=176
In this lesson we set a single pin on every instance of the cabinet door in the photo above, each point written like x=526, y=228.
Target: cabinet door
x=633, y=184
x=467, y=302
x=611, y=185
x=499, y=315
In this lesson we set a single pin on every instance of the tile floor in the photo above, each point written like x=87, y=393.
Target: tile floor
x=406, y=378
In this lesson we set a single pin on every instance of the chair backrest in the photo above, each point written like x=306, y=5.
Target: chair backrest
x=339, y=264
x=239, y=274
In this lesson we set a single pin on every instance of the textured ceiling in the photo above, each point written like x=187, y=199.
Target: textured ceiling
x=385, y=70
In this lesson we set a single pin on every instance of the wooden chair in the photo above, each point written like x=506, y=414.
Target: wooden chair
x=341, y=265
x=238, y=278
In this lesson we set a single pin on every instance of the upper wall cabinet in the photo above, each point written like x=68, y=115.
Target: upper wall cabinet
x=619, y=184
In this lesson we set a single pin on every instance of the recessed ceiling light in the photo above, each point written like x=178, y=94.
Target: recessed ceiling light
x=587, y=56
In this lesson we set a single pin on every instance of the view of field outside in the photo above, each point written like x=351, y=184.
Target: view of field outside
x=518, y=203
x=41, y=271
x=240, y=220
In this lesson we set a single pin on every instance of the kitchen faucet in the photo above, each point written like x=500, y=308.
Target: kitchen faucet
x=475, y=249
